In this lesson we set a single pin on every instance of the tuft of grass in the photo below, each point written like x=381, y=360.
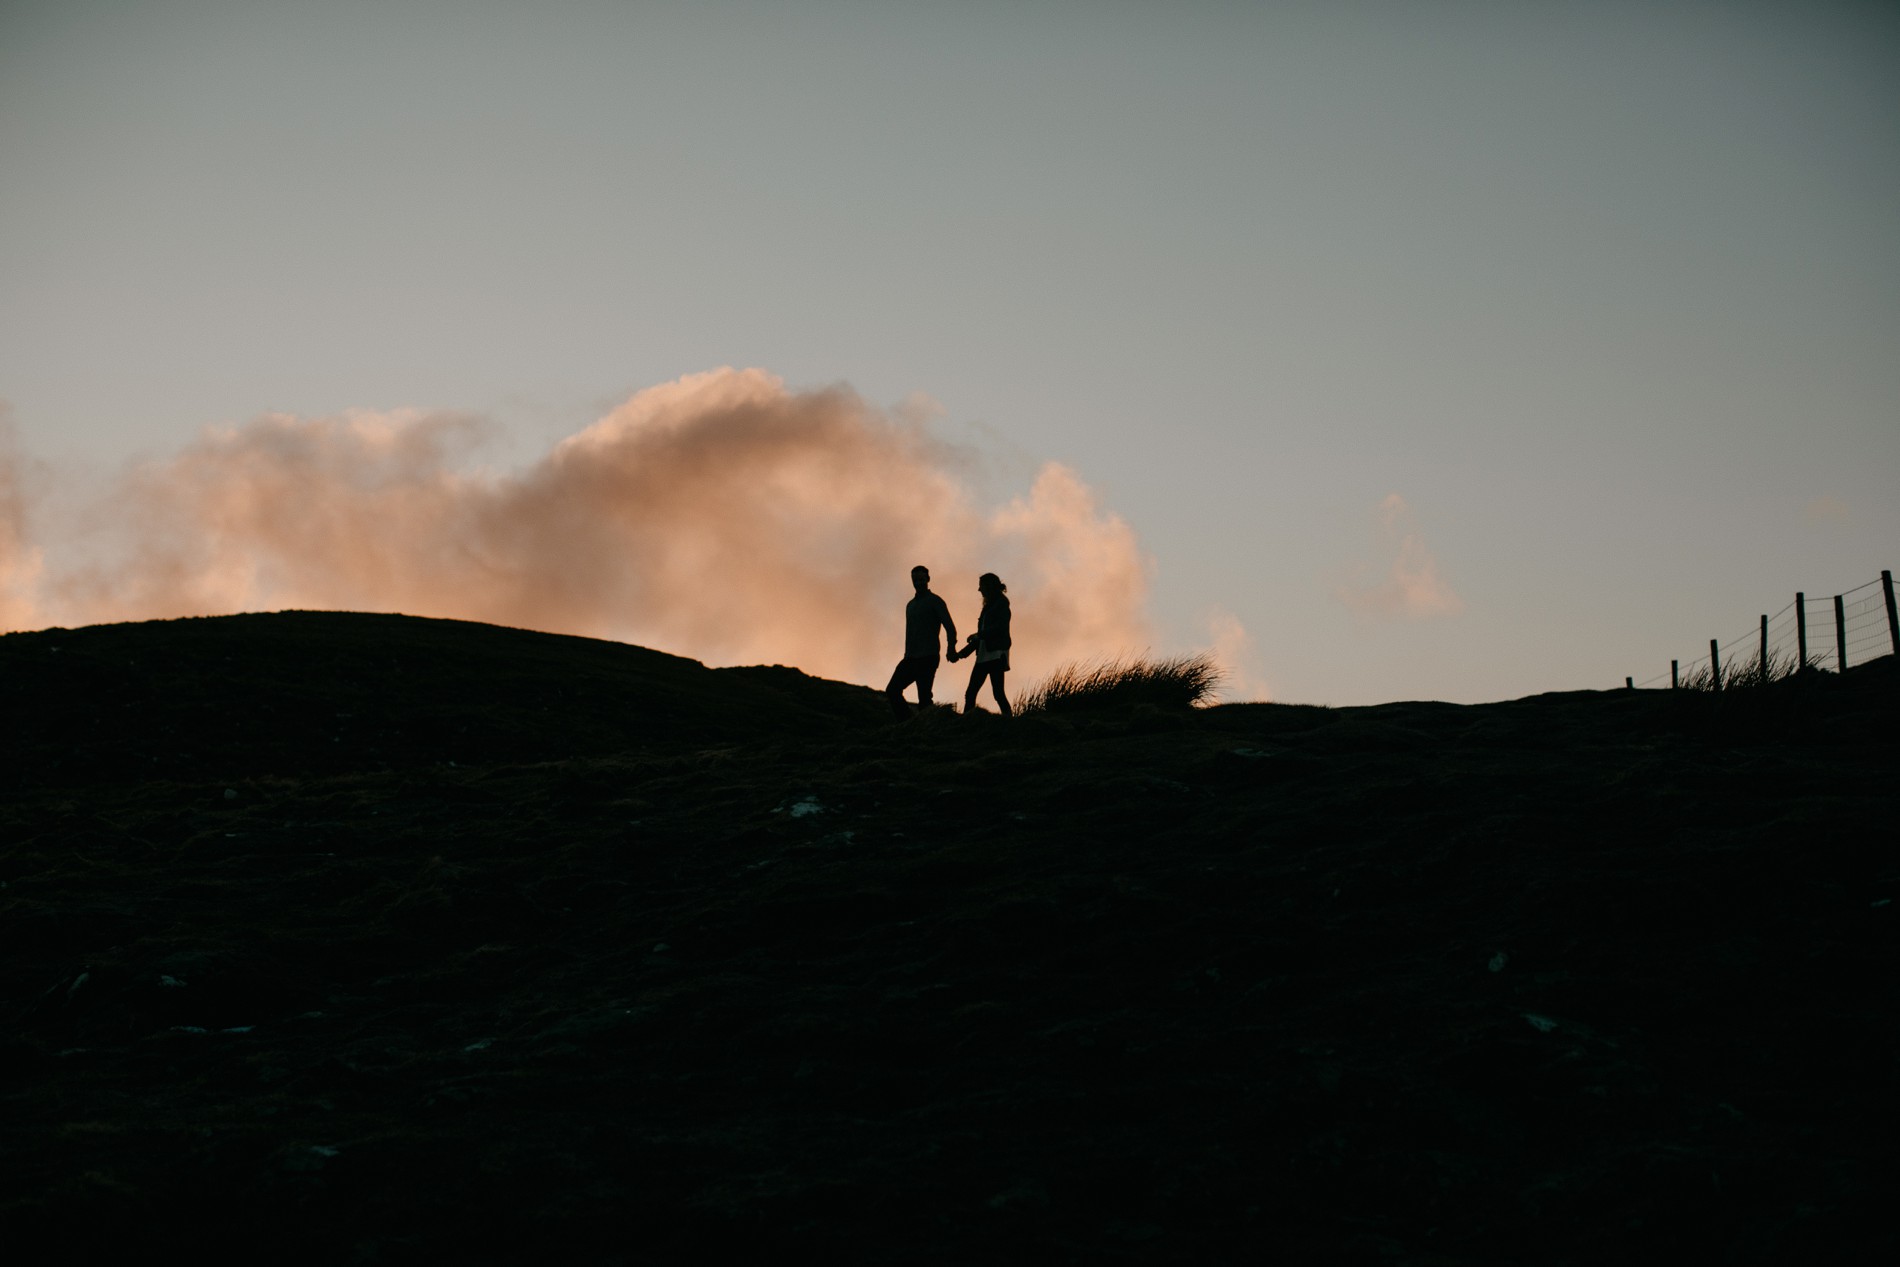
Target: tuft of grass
x=1747, y=673
x=1181, y=682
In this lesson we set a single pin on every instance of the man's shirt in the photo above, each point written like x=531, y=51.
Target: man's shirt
x=923, y=615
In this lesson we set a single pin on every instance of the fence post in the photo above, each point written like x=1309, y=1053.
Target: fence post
x=1893, y=617
x=1840, y=631
x=1629, y=683
x=1801, y=631
x=1715, y=667
x=1672, y=674
x=1761, y=665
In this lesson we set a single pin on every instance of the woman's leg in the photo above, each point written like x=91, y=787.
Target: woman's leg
x=996, y=686
x=995, y=676
x=976, y=683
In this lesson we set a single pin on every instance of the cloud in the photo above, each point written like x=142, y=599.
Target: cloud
x=1234, y=651
x=719, y=516
x=1827, y=508
x=20, y=563
x=1410, y=588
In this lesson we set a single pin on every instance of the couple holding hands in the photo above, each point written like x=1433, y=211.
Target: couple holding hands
x=989, y=644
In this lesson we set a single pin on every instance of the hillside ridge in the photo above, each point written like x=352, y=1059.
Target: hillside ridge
x=704, y=962
x=291, y=692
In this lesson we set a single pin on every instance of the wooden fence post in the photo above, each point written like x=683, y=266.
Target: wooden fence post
x=1840, y=631
x=1715, y=667
x=1672, y=674
x=1801, y=631
x=1893, y=617
x=1629, y=683
x=1761, y=665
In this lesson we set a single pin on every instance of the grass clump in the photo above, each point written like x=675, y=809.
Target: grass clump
x=1753, y=671
x=1181, y=682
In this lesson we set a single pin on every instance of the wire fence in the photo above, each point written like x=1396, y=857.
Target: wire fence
x=1833, y=633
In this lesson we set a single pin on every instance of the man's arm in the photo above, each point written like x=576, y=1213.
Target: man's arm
x=949, y=625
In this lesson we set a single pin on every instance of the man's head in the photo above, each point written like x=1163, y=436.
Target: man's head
x=920, y=577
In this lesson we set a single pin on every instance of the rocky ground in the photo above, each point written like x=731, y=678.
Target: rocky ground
x=374, y=939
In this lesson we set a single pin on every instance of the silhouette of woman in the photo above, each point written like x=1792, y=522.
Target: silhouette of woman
x=989, y=644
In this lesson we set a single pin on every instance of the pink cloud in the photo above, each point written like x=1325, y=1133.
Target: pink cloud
x=720, y=516
x=1410, y=587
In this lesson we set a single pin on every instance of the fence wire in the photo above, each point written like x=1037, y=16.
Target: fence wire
x=1864, y=631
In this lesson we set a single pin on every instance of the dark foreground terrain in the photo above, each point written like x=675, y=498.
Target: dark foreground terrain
x=381, y=940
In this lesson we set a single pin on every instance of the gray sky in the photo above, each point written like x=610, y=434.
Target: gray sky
x=1608, y=295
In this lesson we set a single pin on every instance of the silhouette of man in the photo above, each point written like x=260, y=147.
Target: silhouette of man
x=923, y=615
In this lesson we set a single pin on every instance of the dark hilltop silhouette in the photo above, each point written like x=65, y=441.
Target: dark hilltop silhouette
x=372, y=939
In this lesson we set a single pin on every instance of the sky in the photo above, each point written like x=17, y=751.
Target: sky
x=1393, y=350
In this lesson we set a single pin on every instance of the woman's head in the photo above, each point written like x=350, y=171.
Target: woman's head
x=990, y=585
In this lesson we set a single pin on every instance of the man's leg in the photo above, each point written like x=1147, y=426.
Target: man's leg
x=901, y=677
x=925, y=672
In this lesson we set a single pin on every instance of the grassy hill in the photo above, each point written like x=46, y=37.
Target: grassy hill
x=376, y=939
